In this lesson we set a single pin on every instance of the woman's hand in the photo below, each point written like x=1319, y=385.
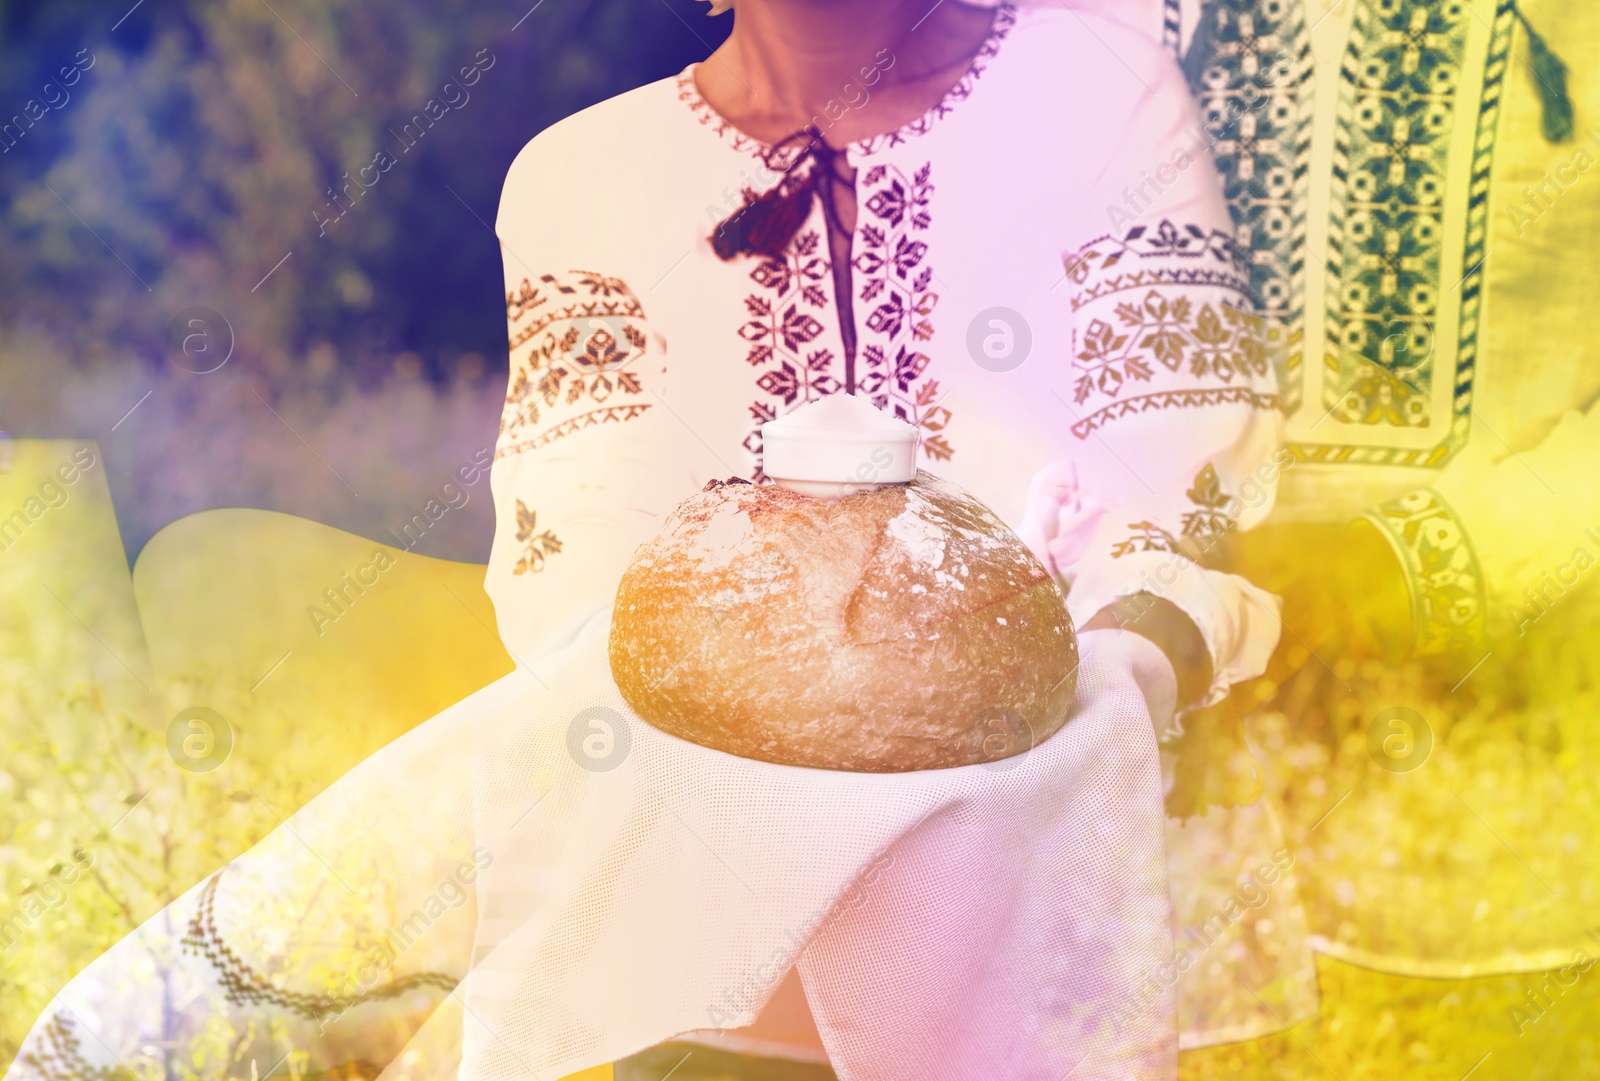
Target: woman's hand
x=1150, y=668
x=1061, y=516
x=1173, y=634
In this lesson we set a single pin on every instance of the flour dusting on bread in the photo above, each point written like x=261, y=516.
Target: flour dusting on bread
x=875, y=632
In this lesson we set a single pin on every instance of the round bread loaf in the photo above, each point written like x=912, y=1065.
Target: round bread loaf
x=899, y=629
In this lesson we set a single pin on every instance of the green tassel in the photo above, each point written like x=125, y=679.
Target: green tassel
x=1202, y=47
x=1550, y=75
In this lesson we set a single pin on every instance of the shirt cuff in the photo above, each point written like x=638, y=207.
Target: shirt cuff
x=1240, y=622
x=1443, y=575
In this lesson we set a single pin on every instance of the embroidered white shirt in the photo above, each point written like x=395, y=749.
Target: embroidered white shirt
x=1043, y=271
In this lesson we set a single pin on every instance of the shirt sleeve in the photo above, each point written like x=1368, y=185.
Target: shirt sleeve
x=1176, y=426
x=1501, y=539
x=585, y=449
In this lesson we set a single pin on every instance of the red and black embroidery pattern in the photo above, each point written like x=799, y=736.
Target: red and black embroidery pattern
x=785, y=321
x=1005, y=17
x=709, y=118
x=58, y=1056
x=891, y=265
x=575, y=342
x=893, y=279
x=1174, y=399
x=1163, y=306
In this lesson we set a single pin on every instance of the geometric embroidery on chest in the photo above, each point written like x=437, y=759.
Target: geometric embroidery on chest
x=792, y=307
x=575, y=339
x=1398, y=87
x=784, y=316
x=1252, y=84
x=1407, y=141
x=893, y=278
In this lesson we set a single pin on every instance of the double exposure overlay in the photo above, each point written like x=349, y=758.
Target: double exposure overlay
x=1028, y=540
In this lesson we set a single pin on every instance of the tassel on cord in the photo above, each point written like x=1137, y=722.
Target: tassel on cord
x=1550, y=75
x=766, y=223
x=1202, y=47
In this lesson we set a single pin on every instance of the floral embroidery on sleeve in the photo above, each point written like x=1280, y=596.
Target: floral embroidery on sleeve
x=1162, y=320
x=1199, y=529
x=576, y=340
x=1449, y=598
x=535, y=546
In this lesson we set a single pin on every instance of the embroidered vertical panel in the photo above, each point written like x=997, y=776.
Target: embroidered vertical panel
x=784, y=319
x=895, y=289
x=791, y=311
x=1407, y=84
x=1254, y=88
x=1476, y=250
x=1399, y=88
x=1402, y=83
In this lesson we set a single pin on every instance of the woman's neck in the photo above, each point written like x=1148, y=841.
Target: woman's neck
x=852, y=68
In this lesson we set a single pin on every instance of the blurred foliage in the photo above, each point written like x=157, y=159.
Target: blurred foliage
x=102, y=826
x=196, y=149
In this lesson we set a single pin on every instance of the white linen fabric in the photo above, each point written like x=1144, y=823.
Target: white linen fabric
x=978, y=922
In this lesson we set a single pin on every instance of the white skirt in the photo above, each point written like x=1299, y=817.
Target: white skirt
x=598, y=887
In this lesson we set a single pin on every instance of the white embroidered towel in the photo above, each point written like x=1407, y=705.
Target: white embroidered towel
x=972, y=923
